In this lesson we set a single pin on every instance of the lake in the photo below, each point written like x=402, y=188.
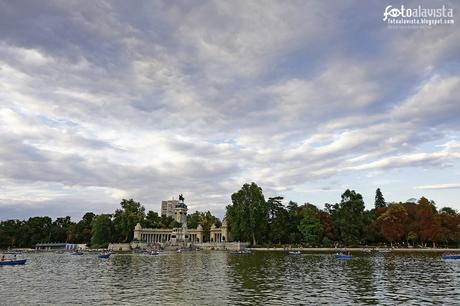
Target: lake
x=218, y=278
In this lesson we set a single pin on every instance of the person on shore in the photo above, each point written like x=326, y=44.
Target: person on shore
x=3, y=258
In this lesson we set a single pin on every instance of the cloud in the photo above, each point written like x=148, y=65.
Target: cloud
x=438, y=187
x=166, y=98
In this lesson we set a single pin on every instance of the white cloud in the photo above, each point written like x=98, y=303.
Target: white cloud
x=438, y=187
x=198, y=99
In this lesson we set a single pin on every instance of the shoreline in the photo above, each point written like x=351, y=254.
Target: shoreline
x=364, y=249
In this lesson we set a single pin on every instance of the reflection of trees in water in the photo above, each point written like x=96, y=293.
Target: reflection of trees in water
x=359, y=279
x=123, y=267
x=418, y=278
x=171, y=278
x=256, y=275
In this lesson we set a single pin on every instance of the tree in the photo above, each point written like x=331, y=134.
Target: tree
x=393, y=223
x=152, y=220
x=36, y=230
x=278, y=220
x=168, y=222
x=248, y=214
x=449, y=211
x=310, y=226
x=411, y=237
x=194, y=219
x=327, y=228
x=379, y=200
x=294, y=217
x=101, y=230
x=450, y=230
x=10, y=231
x=126, y=218
x=83, y=228
x=371, y=231
x=348, y=217
x=206, y=221
x=59, y=229
x=428, y=221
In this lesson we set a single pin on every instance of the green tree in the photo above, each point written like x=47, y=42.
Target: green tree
x=126, y=218
x=207, y=219
x=379, y=200
x=348, y=217
x=152, y=220
x=193, y=219
x=37, y=230
x=310, y=226
x=168, y=222
x=60, y=228
x=10, y=233
x=294, y=216
x=101, y=230
x=449, y=211
x=248, y=214
x=82, y=232
x=278, y=220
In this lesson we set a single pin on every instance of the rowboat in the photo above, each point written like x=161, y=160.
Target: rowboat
x=241, y=252
x=343, y=256
x=104, y=255
x=450, y=256
x=294, y=253
x=13, y=262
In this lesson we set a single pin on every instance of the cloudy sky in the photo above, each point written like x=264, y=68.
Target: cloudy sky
x=104, y=100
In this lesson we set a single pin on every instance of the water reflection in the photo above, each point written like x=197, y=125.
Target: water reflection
x=210, y=278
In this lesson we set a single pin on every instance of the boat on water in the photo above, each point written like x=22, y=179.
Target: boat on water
x=294, y=253
x=12, y=262
x=451, y=256
x=343, y=256
x=241, y=252
x=178, y=251
x=154, y=253
x=104, y=255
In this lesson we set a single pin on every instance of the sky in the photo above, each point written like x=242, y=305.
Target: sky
x=105, y=100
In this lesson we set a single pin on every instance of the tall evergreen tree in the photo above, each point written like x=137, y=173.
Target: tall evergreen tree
x=379, y=200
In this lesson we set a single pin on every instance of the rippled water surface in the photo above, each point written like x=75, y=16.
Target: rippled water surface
x=217, y=278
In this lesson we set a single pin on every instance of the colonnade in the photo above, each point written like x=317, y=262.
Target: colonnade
x=155, y=238
x=217, y=237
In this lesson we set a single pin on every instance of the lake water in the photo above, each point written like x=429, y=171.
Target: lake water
x=217, y=278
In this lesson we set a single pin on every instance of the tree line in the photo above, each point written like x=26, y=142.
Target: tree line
x=347, y=223
x=94, y=230
x=260, y=221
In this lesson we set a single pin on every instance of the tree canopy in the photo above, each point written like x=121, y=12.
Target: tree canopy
x=262, y=222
